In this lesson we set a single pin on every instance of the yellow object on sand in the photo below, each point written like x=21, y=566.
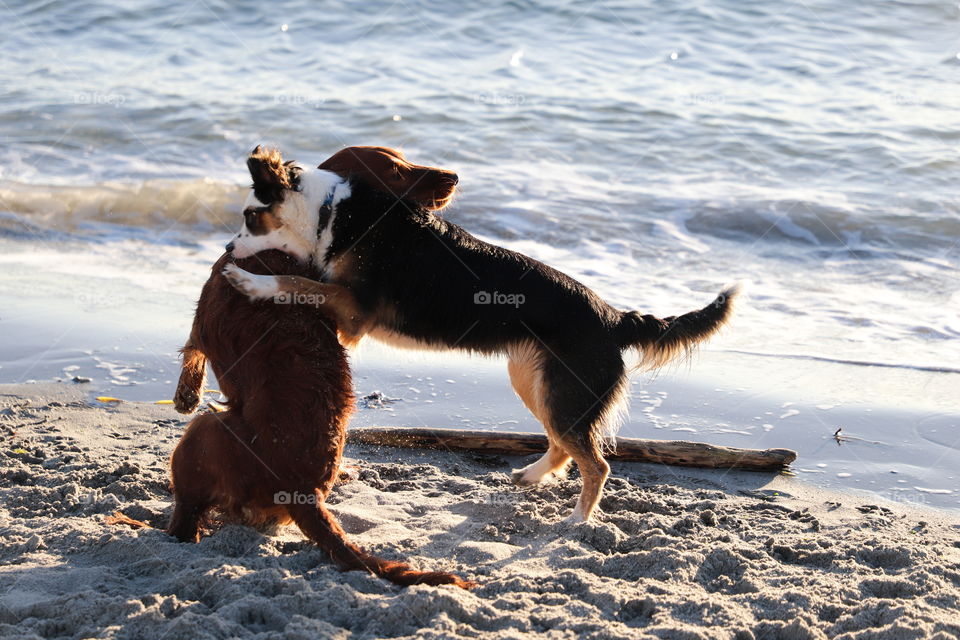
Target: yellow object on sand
x=108, y=399
x=163, y=402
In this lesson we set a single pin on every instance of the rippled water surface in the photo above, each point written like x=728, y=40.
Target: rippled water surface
x=654, y=150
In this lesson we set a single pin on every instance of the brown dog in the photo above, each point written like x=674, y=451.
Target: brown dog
x=273, y=456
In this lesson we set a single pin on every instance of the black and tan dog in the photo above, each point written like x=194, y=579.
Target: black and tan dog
x=423, y=282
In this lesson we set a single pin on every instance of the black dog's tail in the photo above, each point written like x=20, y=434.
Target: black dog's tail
x=662, y=339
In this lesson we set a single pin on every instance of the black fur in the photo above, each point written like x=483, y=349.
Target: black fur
x=417, y=276
x=430, y=271
x=427, y=273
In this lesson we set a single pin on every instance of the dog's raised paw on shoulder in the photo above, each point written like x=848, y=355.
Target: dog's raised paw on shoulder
x=247, y=283
x=238, y=278
x=235, y=276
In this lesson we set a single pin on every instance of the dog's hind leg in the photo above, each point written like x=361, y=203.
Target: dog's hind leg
x=185, y=521
x=553, y=463
x=583, y=389
x=193, y=473
x=524, y=365
x=347, y=473
x=593, y=473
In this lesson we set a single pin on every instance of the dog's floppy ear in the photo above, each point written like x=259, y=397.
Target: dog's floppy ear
x=439, y=186
x=386, y=169
x=270, y=176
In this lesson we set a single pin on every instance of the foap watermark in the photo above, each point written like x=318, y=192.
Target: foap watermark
x=702, y=99
x=93, y=300
x=498, y=298
x=93, y=497
x=308, y=299
x=100, y=99
x=286, y=497
x=907, y=99
x=300, y=100
x=502, y=498
x=912, y=495
x=511, y=100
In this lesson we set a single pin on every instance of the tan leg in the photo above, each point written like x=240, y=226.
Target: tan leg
x=593, y=472
x=524, y=369
x=575, y=414
x=553, y=464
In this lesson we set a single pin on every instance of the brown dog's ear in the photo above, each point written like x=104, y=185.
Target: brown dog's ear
x=270, y=176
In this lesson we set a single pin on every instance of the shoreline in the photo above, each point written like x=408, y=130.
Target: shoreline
x=117, y=312
x=675, y=553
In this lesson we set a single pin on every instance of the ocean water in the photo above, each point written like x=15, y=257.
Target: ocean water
x=656, y=151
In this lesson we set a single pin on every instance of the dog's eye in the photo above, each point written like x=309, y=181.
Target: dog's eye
x=250, y=217
x=293, y=173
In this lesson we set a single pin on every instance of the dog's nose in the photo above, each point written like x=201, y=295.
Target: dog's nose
x=230, y=247
x=454, y=178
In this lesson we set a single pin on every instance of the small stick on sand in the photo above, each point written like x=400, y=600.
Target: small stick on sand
x=673, y=452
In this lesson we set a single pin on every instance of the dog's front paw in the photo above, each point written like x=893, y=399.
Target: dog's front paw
x=518, y=478
x=536, y=473
x=348, y=473
x=186, y=400
x=574, y=519
x=253, y=286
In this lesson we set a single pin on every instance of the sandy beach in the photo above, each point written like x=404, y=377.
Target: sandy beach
x=656, y=153
x=675, y=553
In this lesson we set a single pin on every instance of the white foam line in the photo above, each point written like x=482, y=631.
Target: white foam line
x=858, y=363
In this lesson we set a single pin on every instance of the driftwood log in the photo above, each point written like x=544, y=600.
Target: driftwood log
x=674, y=452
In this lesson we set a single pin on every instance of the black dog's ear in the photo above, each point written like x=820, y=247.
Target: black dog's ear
x=270, y=176
x=442, y=185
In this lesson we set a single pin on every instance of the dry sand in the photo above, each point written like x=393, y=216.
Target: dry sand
x=676, y=554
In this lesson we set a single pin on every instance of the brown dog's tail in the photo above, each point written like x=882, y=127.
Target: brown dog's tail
x=119, y=518
x=662, y=339
x=193, y=375
x=318, y=524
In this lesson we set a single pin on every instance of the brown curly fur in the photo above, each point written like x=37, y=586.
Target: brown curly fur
x=290, y=395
